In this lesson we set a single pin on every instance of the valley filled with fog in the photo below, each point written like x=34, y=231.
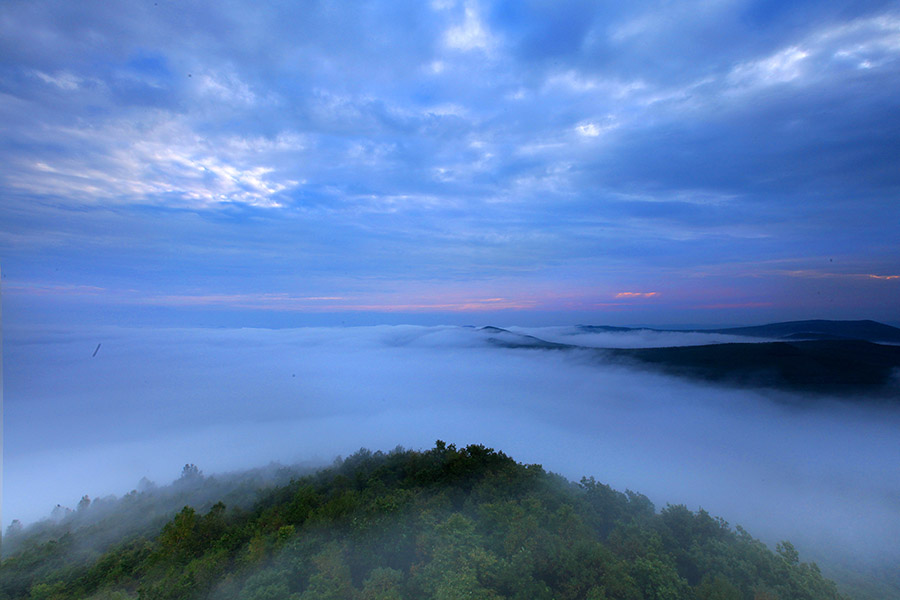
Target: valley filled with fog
x=821, y=472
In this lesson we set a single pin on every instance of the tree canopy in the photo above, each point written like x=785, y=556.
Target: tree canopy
x=445, y=523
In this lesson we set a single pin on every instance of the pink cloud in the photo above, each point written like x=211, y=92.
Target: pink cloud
x=636, y=294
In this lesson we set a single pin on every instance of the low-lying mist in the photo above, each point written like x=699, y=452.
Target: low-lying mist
x=632, y=338
x=822, y=474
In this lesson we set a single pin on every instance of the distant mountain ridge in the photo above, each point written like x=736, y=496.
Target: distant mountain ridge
x=511, y=339
x=817, y=356
x=867, y=330
x=839, y=366
x=814, y=329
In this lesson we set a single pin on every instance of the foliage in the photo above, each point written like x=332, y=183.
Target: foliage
x=446, y=523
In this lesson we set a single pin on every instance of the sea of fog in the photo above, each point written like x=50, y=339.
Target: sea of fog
x=821, y=474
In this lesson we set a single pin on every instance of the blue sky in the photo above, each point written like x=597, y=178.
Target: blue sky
x=234, y=163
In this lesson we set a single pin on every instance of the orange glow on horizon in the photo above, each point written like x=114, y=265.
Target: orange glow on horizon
x=339, y=303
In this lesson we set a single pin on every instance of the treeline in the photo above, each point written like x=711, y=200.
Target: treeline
x=104, y=521
x=446, y=523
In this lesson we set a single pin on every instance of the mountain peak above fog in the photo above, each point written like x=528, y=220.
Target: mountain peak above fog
x=834, y=357
x=867, y=330
x=812, y=329
x=511, y=339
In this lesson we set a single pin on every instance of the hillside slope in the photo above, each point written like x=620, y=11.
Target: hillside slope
x=445, y=523
x=870, y=331
x=821, y=366
x=820, y=357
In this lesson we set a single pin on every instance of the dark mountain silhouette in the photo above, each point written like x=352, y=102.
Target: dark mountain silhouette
x=870, y=331
x=510, y=339
x=610, y=329
x=817, y=329
x=821, y=366
x=824, y=357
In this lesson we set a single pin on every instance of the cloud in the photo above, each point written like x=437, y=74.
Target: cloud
x=545, y=144
x=636, y=294
x=594, y=129
x=865, y=43
x=782, y=67
x=42, y=290
x=410, y=301
x=338, y=304
x=471, y=34
x=813, y=274
x=781, y=466
x=157, y=162
x=634, y=338
x=62, y=80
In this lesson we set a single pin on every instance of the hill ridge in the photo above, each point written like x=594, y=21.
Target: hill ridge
x=443, y=523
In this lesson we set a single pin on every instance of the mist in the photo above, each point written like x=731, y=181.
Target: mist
x=817, y=471
x=632, y=338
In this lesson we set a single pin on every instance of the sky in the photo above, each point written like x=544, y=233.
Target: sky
x=275, y=164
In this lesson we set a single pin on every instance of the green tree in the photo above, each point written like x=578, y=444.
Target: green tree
x=331, y=580
x=383, y=584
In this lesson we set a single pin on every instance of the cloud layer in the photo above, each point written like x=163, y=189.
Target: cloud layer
x=820, y=474
x=739, y=157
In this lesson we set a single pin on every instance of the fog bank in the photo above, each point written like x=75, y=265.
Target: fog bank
x=151, y=400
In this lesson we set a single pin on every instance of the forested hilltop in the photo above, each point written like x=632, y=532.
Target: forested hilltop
x=445, y=523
